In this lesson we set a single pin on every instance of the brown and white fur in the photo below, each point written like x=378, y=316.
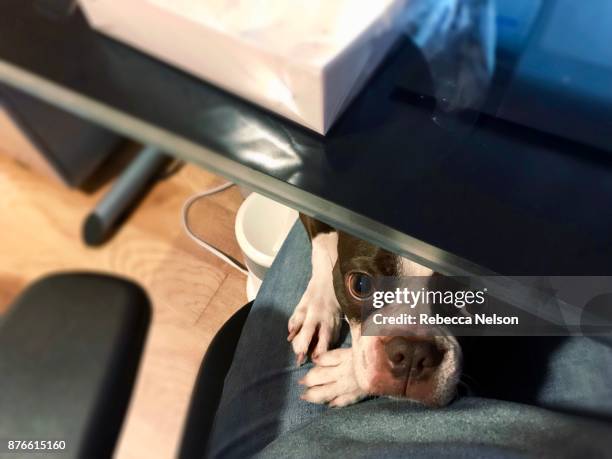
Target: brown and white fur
x=420, y=368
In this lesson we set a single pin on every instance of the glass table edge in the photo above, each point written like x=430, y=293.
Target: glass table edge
x=333, y=214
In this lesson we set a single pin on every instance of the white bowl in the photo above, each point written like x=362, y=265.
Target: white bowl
x=261, y=228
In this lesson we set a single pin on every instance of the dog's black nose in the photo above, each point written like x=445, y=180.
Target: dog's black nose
x=418, y=358
x=399, y=351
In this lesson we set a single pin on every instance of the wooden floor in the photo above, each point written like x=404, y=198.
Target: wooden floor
x=192, y=292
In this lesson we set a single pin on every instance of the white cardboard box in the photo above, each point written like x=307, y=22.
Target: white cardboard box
x=303, y=59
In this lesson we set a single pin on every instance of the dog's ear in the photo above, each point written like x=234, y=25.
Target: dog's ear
x=314, y=226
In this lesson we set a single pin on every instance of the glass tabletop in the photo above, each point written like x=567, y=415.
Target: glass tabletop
x=480, y=192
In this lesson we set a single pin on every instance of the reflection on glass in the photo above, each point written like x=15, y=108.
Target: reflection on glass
x=264, y=147
x=457, y=38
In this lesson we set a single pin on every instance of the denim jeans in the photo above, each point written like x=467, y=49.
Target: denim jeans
x=260, y=401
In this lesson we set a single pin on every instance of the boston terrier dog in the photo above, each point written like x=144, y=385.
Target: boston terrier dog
x=418, y=367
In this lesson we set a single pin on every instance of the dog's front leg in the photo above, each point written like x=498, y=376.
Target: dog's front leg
x=315, y=323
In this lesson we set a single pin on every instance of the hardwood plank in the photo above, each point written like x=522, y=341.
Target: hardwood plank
x=192, y=292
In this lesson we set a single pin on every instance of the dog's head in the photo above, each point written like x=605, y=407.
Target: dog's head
x=420, y=366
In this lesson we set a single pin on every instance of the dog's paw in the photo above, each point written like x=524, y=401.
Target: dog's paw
x=315, y=323
x=332, y=380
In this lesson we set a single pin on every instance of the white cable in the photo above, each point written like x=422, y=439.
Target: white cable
x=202, y=243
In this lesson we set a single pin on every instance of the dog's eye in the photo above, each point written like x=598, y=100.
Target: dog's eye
x=360, y=285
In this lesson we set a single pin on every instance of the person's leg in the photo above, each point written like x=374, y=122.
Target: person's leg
x=261, y=396
x=569, y=374
x=579, y=378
